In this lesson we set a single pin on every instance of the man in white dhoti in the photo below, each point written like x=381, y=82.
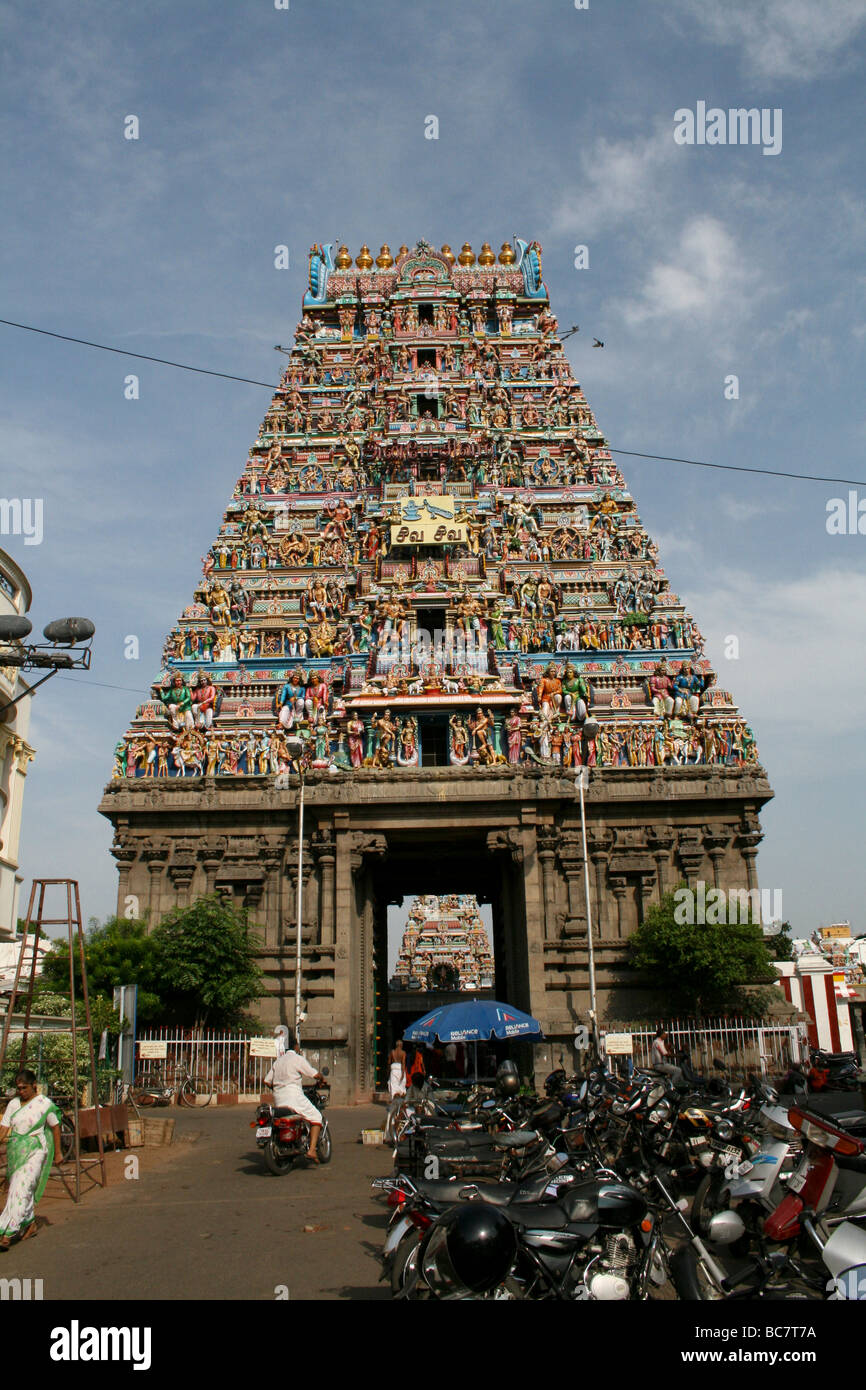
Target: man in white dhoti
x=397, y=1070
x=286, y=1077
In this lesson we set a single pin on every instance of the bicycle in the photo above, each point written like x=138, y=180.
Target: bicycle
x=151, y=1087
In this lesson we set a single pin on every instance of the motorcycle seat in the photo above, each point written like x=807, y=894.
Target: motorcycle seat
x=282, y=1110
x=852, y=1121
x=519, y=1139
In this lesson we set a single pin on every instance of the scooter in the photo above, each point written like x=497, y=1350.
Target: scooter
x=828, y=1188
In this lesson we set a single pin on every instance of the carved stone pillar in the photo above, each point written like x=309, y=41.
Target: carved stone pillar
x=645, y=883
x=326, y=855
x=363, y=847
x=155, y=855
x=210, y=857
x=619, y=886
x=660, y=841
x=691, y=854
x=125, y=856
x=716, y=846
x=747, y=842
x=290, y=869
x=547, y=842
x=571, y=862
x=599, y=845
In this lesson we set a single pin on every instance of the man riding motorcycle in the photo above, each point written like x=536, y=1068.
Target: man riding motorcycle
x=286, y=1079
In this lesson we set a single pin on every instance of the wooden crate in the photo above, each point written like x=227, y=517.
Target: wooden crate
x=157, y=1131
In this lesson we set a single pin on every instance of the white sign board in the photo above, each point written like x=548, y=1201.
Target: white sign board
x=153, y=1051
x=619, y=1044
x=263, y=1047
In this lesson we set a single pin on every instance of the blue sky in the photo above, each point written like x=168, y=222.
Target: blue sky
x=261, y=127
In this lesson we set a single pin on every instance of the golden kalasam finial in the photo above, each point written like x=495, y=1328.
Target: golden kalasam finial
x=343, y=259
x=384, y=258
x=466, y=256
x=506, y=255
x=485, y=255
x=404, y=251
x=448, y=254
x=363, y=260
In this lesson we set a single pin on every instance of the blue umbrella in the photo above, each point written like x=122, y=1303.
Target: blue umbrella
x=473, y=1021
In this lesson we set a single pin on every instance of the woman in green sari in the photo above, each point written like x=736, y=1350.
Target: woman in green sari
x=30, y=1153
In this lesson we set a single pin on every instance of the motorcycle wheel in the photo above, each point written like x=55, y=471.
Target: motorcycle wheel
x=323, y=1148
x=403, y=1263
x=277, y=1163
x=706, y=1202
x=691, y=1281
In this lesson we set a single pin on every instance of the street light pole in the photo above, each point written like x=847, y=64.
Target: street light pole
x=300, y=911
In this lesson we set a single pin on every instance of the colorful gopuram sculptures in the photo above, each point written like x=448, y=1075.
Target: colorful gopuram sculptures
x=445, y=946
x=430, y=558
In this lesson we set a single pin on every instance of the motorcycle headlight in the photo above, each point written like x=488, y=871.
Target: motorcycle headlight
x=724, y=1130
x=778, y=1131
x=660, y=1113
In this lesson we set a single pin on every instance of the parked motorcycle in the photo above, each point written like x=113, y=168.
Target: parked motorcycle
x=284, y=1136
x=598, y=1242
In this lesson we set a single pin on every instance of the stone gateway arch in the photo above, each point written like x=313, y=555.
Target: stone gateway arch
x=430, y=603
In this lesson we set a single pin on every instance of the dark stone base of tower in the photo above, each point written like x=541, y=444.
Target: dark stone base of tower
x=510, y=836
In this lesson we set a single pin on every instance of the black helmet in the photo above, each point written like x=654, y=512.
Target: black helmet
x=469, y=1251
x=508, y=1079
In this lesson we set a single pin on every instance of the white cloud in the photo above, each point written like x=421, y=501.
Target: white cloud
x=793, y=634
x=778, y=39
x=618, y=184
x=708, y=278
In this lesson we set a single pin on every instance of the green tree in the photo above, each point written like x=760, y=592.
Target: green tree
x=206, y=968
x=703, y=968
x=119, y=952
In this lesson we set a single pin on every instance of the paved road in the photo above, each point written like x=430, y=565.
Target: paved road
x=205, y=1219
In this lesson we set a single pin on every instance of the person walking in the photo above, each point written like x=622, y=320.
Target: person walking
x=30, y=1153
x=397, y=1071
x=417, y=1069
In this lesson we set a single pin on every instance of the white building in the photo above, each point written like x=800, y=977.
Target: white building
x=15, y=751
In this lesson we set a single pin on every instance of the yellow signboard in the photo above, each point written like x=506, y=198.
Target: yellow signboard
x=428, y=533
x=426, y=521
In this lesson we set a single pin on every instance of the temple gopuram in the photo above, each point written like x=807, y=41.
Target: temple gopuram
x=430, y=602
x=445, y=946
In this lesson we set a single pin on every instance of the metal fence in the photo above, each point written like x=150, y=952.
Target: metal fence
x=745, y=1045
x=223, y=1059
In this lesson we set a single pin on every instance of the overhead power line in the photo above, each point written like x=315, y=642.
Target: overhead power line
x=740, y=468
x=142, y=356
x=251, y=381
